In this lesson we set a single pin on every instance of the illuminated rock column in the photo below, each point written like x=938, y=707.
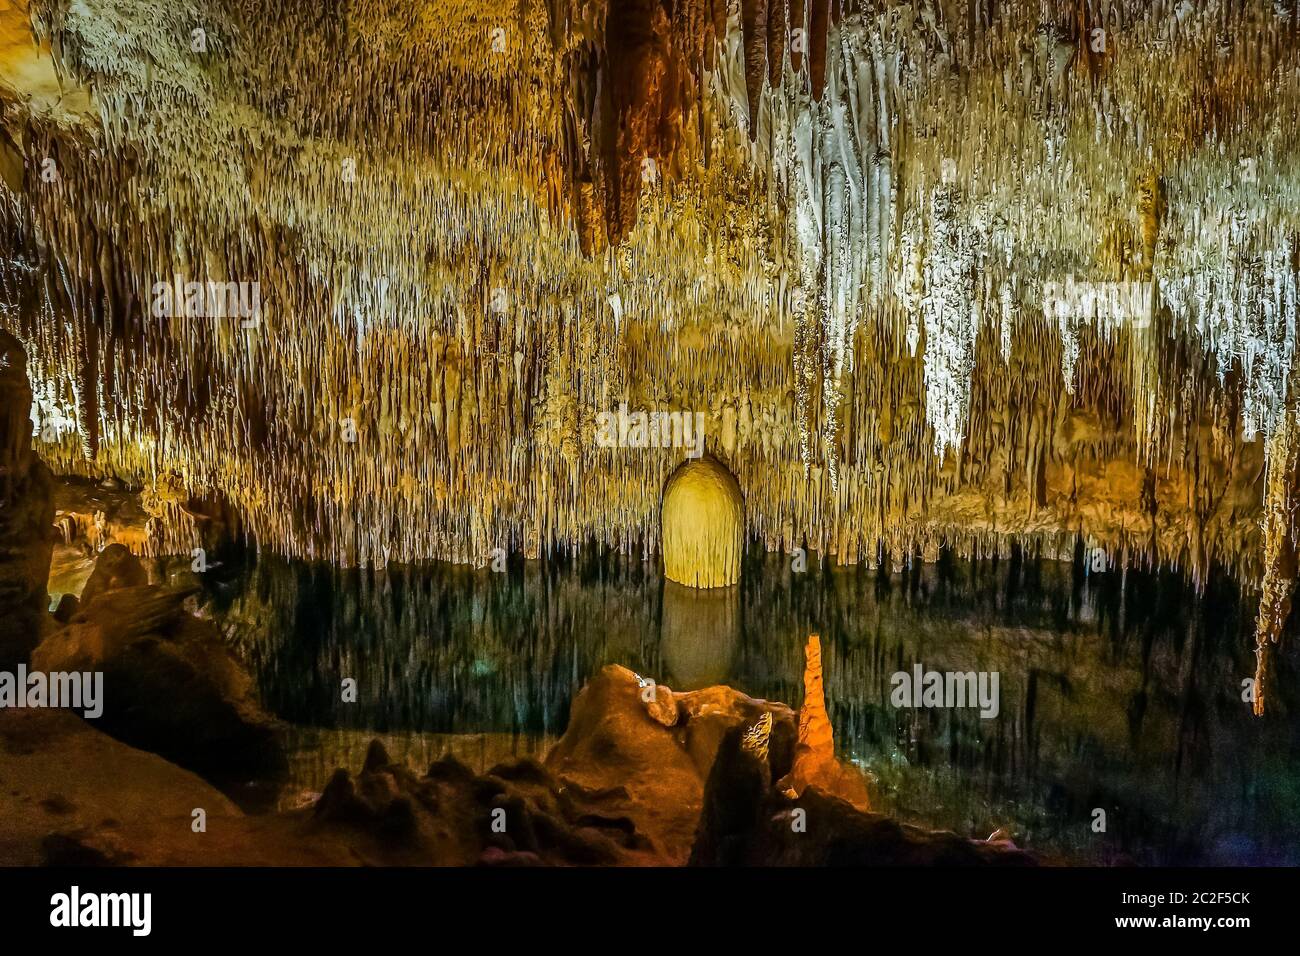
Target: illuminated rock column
x=703, y=518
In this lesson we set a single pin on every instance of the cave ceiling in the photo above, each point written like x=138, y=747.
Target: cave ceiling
x=840, y=231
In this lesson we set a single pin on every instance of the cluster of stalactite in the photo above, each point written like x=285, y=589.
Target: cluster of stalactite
x=637, y=77
x=827, y=226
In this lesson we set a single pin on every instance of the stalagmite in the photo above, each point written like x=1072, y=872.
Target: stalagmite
x=815, y=764
x=816, y=749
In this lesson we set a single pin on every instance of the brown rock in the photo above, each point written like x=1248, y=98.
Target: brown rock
x=26, y=513
x=172, y=687
x=66, y=609
x=612, y=742
x=517, y=814
x=708, y=715
x=831, y=832
x=115, y=568
x=97, y=780
x=660, y=703
x=747, y=822
x=106, y=626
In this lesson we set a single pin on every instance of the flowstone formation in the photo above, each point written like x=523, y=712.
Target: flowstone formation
x=935, y=274
x=703, y=525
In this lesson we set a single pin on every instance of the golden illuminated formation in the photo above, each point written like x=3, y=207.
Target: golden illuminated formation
x=939, y=275
x=703, y=525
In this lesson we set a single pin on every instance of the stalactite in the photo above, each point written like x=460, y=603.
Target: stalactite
x=464, y=258
x=798, y=34
x=776, y=32
x=818, y=35
x=753, y=23
x=1280, y=525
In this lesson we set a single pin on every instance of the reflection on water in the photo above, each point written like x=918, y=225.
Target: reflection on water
x=1122, y=693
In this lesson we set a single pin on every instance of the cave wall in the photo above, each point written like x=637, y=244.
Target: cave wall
x=26, y=514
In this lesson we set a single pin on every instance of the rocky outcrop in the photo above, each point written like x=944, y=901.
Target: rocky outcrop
x=745, y=821
x=171, y=685
x=26, y=513
x=622, y=787
x=517, y=814
x=615, y=746
x=73, y=795
x=115, y=568
x=714, y=711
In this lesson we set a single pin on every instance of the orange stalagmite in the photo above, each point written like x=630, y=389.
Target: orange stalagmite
x=816, y=738
x=815, y=764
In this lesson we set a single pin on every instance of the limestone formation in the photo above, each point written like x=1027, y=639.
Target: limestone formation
x=26, y=514
x=744, y=822
x=703, y=525
x=171, y=684
x=816, y=738
x=890, y=251
x=115, y=568
x=815, y=761
x=614, y=745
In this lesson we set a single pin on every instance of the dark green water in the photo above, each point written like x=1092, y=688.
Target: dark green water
x=1118, y=693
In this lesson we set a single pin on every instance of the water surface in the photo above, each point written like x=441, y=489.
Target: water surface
x=1118, y=692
